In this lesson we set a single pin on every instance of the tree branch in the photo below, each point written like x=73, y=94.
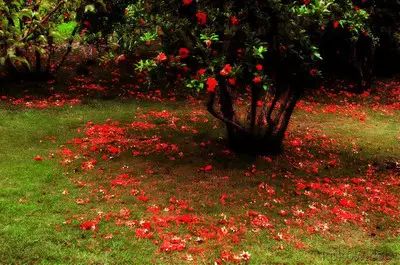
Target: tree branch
x=212, y=111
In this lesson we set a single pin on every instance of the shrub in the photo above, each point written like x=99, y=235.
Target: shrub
x=265, y=52
x=27, y=36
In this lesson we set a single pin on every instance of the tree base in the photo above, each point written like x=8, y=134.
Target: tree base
x=250, y=144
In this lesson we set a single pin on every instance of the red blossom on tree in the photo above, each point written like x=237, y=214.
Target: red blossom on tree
x=161, y=57
x=201, y=71
x=226, y=70
x=211, y=84
x=184, y=53
x=232, y=81
x=234, y=21
x=335, y=24
x=187, y=2
x=257, y=79
x=201, y=17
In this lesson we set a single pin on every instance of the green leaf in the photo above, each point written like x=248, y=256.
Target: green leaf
x=90, y=8
x=25, y=13
x=41, y=50
x=42, y=39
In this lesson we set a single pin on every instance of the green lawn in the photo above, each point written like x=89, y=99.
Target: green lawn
x=40, y=225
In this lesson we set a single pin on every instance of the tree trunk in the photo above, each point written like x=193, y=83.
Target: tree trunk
x=270, y=140
x=226, y=104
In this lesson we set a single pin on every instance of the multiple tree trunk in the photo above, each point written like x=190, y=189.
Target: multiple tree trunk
x=263, y=130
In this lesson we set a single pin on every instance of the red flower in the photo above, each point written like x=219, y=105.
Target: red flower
x=313, y=72
x=187, y=2
x=161, y=57
x=306, y=2
x=259, y=67
x=184, y=53
x=226, y=70
x=234, y=20
x=201, y=18
x=201, y=71
x=257, y=79
x=211, y=84
x=335, y=24
x=232, y=81
x=185, y=69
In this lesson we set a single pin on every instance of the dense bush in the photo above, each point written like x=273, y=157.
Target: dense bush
x=27, y=35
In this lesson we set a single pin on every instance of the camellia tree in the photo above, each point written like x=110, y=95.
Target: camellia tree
x=254, y=58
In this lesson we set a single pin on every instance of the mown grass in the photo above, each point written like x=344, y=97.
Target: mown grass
x=33, y=210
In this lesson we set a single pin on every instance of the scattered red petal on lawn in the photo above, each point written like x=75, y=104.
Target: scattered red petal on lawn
x=143, y=198
x=38, y=158
x=82, y=201
x=173, y=244
x=89, y=165
x=267, y=188
x=66, y=152
x=89, y=225
x=134, y=192
x=296, y=142
x=154, y=209
x=342, y=215
x=122, y=180
x=113, y=150
x=124, y=213
x=347, y=203
x=143, y=233
x=283, y=213
x=207, y=168
x=223, y=198
x=137, y=125
x=259, y=220
x=187, y=219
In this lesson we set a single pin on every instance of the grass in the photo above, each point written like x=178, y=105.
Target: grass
x=38, y=224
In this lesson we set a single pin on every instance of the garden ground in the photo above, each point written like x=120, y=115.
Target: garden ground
x=148, y=180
